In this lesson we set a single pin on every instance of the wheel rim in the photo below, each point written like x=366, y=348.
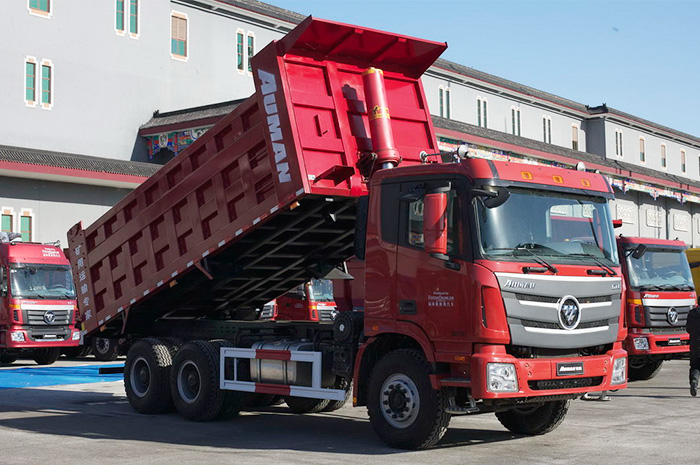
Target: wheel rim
x=400, y=402
x=140, y=377
x=189, y=381
x=102, y=345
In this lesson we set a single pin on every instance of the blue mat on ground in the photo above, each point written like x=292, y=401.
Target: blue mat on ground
x=54, y=376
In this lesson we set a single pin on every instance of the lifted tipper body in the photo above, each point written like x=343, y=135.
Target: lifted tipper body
x=460, y=315
x=659, y=294
x=37, y=302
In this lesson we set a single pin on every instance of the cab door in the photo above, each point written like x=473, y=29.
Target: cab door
x=432, y=291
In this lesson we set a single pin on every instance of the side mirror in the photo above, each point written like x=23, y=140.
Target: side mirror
x=617, y=223
x=639, y=251
x=3, y=281
x=435, y=224
x=493, y=199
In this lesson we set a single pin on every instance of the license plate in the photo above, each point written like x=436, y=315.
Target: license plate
x=569, y=368
x=674, y=342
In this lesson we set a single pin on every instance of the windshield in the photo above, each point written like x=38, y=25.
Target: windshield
x=659, y=270
x=41, y=282
x=321, y=290
x=560, y=227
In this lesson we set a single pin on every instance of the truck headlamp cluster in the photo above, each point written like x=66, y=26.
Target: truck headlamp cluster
x=641, y=343
x=76, y=335
x=17, y=336
x=501, y=377
x=619, y=374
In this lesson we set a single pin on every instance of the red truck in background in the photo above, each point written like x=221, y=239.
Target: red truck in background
x=476, y=299
x=37, y=302
x=659, y=294
x=311, y=301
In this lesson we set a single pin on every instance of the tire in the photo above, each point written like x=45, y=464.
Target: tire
x=540, y=419
x=194, y=382
x=46, y=356
x=404, y=409
x=147, y=377
x=234, y=401
x=643, y=371
x=75, y=352
x=305, y=405
x=257, y=400
x=8, y=359
x=105, y=349
x=334, y=405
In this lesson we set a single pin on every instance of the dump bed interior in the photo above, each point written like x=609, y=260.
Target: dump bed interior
x=265, y=199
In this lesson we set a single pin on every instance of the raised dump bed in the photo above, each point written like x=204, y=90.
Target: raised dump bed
x=265, y=200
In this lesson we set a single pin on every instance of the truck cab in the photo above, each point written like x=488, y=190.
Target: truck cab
x=659, y=294
x=311, y=301
x=37, y=302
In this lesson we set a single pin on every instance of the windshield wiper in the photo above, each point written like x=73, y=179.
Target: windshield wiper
x=597, y=262
x=675, y=287
x=650, y=287
x=538, y=259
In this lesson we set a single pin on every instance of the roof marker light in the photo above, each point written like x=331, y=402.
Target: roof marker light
x=526, y=175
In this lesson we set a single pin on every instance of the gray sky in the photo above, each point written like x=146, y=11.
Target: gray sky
x=638, y=56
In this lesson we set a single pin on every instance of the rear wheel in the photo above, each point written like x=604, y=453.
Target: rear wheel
x=46, y=356
x=334, y=405
x=105, y=349
x=641, y=370
x=147, y=376
x=305, y=405
x=534, y=420
x=195, y=384
x=404, y=409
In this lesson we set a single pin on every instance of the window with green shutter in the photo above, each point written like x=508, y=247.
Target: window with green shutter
x=120, y=15
x=41, y=5
x=46, y=84
x=6, y=223
x=178, y=39
x=25, y=227
x=30, y=82
x=251, y=52
x=239, y=50
x=134, y=16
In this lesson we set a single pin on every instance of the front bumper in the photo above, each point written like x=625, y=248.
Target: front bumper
x=659, y=344
x=537, y=377
x=24, y=337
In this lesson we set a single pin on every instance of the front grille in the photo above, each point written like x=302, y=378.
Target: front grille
x=325, y=314
x=657, y=316
x=45, y=333
x=36, y=317
x=570, y=383
x=666, y=344
x=671, y=330
x=553, y=300
x=546, y=325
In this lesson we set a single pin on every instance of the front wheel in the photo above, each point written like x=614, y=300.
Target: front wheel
x=534, y=420
x=8, y=359
x=404, y=409
x=641, y=370
x=46, y=356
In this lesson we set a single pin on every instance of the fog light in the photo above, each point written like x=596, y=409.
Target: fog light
x=76, y=335
x=17, y=336
x=501, y=377
x=641, y=343
x=619, y=375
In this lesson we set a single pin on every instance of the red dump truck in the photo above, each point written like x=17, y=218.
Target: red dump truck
x=37, y=302
x=488, y=286
x=312, y=301
x=659, y=295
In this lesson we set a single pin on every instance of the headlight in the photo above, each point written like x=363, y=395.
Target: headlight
x=17, y=336
x=619, y=375
x=76, y=335
x=641, y=343
x=501, y=377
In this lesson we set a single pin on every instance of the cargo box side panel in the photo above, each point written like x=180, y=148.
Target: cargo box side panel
x=223, y=185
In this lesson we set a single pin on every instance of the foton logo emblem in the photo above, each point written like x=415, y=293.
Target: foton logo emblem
x=268, y=87
x=519, y=284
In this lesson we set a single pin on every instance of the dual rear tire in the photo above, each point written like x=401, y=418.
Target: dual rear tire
x=162, y=374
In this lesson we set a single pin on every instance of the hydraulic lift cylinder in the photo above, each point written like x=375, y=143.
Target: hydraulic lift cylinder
x=379, y=119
